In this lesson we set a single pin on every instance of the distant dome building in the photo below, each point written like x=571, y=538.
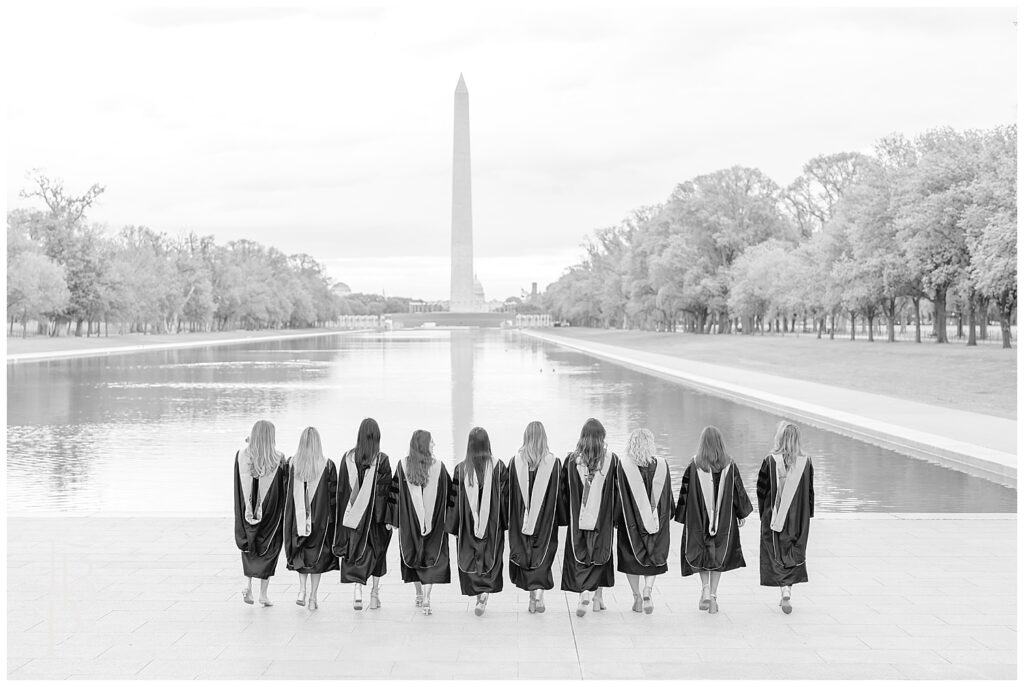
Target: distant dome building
x=478, y=291
x=340, y=288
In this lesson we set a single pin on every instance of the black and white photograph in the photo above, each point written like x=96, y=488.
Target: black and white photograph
x=541, y=341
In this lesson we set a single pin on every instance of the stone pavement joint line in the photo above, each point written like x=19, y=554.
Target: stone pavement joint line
x=144, y=597
x=979, y=444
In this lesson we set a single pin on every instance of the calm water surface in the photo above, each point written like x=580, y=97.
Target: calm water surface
x=158, y=431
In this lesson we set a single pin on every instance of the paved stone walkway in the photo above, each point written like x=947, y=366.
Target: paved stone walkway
x=974, y=442
x=890, y=596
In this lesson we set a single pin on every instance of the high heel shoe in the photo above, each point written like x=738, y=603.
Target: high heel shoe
x=638, y=604
x=787, y=607
x=713, y=604
x=313, y=604
x=426, y=607
x=247, y=596
x=357, y=598
x=648, y=602
x=419, y=599
x=599, y=603
x=705, y=598
x=581, y=607
x=481, y=604
x=266, y=603
x=301, y=599
x=374, y=599
x=532, y=608
x=540, y=603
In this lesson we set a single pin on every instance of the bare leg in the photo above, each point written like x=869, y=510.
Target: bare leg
x=599, y=600
x=247, y=591
x=419, y=593
x=648, y=602
x=540, y=601
x=357, y=596
x=375, y=594
x=581, y=605
x=300, y=600
x=705, y=592
x=787, y=592
x=314, y=603
x=715, y=578
x=634, y=584
x=426, y=598
x=264, y=599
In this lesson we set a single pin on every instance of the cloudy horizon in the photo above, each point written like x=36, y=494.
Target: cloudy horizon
x=329, y=131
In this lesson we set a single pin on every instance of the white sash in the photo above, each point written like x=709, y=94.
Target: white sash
x=479, y=504
x=245, y=477
x=354, y=510
x=788, y=492
x=647, y=505
x=304, y=517
x=423, y=499
x=707, y=488
x=590, y=510
x=533, y=500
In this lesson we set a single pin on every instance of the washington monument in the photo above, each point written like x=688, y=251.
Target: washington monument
x=466, y=296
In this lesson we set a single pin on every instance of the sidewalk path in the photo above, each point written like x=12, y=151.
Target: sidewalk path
x=981, y=444
x=890, y=596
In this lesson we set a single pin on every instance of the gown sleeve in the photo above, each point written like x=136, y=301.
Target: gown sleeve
x=332, y=486
x=740, y=501
x=614, y=474
x=684, y=484
x=764, y=485
x=503, y=496
x=382, y=489
x=451, y=524
x=810, y=485
x=391, y=510
x=563, y=510
x=240, y=539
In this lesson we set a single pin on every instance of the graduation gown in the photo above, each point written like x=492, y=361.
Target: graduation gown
x=640, y=552
x=784, y=553
x=309, y=551
x=361, y=537
x=711, y=544
x=258, y=531
x=587, y=562
x=480, y=559
x=530, y=555
x=423, y=557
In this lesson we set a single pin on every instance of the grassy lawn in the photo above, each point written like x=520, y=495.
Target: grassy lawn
x=41, y=344
x=981, y=379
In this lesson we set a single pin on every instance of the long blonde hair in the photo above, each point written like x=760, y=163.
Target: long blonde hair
x=261, y=454
x=711, y=455
x=787, y=443
x=640, y=447
x=535, y=444
x=308, y=461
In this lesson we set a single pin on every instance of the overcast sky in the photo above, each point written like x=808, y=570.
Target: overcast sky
x=329, y=131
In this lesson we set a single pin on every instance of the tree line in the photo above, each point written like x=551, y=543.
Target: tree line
x=72, y=277
x=923, y=222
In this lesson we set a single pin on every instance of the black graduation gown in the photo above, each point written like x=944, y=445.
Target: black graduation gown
x=587, y=561
x=260, y=544
x=362, y=552
x=530, y=556
x=638, y=552
x=311, y=554
x=784, y=554
x=421, y=559
x=700, y=550
x=480, y=561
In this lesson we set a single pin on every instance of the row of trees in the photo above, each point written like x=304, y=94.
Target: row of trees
x=928, y=221
x=69, y=275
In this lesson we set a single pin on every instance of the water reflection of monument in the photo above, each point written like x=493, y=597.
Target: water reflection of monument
x=461, y=347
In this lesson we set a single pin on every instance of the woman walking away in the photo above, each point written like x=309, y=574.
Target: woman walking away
x=588, y=506
x=479, y=519
x=534, y=485
x=309, y=515
x=712, y=507
x=261, y=480
x=785, y=500
x=646, y=507
x=362, y=537
x=418, y=506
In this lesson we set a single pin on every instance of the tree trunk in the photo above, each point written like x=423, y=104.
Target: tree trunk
x=11, y=333
x=972, y=339
x=819, y=325
x=960, y=322
x=983, y=302
x=853, y=325
x=832, y=329
x=1005, y=302
x=871, y=326
x=891, y=314
x=917, y=318
x=939, y=326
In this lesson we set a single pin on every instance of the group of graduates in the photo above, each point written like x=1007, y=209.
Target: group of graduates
x=342, y=518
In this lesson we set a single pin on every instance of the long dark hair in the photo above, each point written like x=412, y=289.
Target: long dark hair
x=711, y=455
x=590, y=449
x=420, y=458
x=478, y=452
x=367, y=442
